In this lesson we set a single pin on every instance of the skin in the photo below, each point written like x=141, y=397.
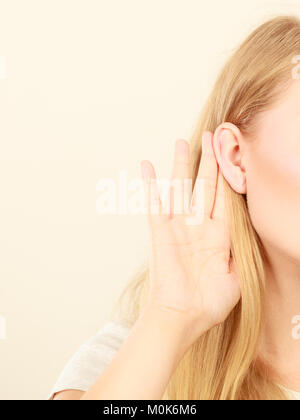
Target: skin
x=188, y=263
x=277, y=220
x=267, y=168
x=193, y=282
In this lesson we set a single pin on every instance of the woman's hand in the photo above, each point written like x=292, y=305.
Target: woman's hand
x=191, y=273
x=192, y=287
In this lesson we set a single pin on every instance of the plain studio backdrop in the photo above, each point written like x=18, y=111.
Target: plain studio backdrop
x=89, y=88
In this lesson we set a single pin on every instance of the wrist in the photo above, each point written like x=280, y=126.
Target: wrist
x=173, y=326
x=165, y=330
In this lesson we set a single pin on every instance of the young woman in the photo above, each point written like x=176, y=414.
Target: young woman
x=212, y=316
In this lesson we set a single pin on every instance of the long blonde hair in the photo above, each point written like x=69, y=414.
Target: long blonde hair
x=224, y=364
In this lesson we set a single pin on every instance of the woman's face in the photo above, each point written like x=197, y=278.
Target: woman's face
x=272, y=171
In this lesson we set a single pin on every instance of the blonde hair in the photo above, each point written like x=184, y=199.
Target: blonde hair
x=224, y=364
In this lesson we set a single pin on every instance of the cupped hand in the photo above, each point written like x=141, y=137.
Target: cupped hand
x=190, y=265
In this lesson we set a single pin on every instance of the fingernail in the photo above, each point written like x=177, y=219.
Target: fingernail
x=143, y=165
x=181, y=146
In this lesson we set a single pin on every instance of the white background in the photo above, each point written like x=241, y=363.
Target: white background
x=92, y=87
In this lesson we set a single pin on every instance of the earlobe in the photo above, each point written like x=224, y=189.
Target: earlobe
x=227, y=147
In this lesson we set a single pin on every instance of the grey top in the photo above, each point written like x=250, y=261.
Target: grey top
x=92, y=357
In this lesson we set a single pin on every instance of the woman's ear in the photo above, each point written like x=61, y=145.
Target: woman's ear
x=227, y=144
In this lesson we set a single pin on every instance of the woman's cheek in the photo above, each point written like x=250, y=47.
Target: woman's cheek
x=273, y=195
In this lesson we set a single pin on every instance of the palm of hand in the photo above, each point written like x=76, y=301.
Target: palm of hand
x=190, y=266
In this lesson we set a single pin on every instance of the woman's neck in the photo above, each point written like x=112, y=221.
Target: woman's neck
x=280, y=341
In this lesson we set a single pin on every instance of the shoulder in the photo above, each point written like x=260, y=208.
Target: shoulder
x=111, y=333
x=84, y=367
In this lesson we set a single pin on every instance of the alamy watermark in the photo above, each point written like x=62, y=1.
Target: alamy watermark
x=3, y=67
x=135, y=197
x=296, y=69
x=296, y=328
x=3, y=328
